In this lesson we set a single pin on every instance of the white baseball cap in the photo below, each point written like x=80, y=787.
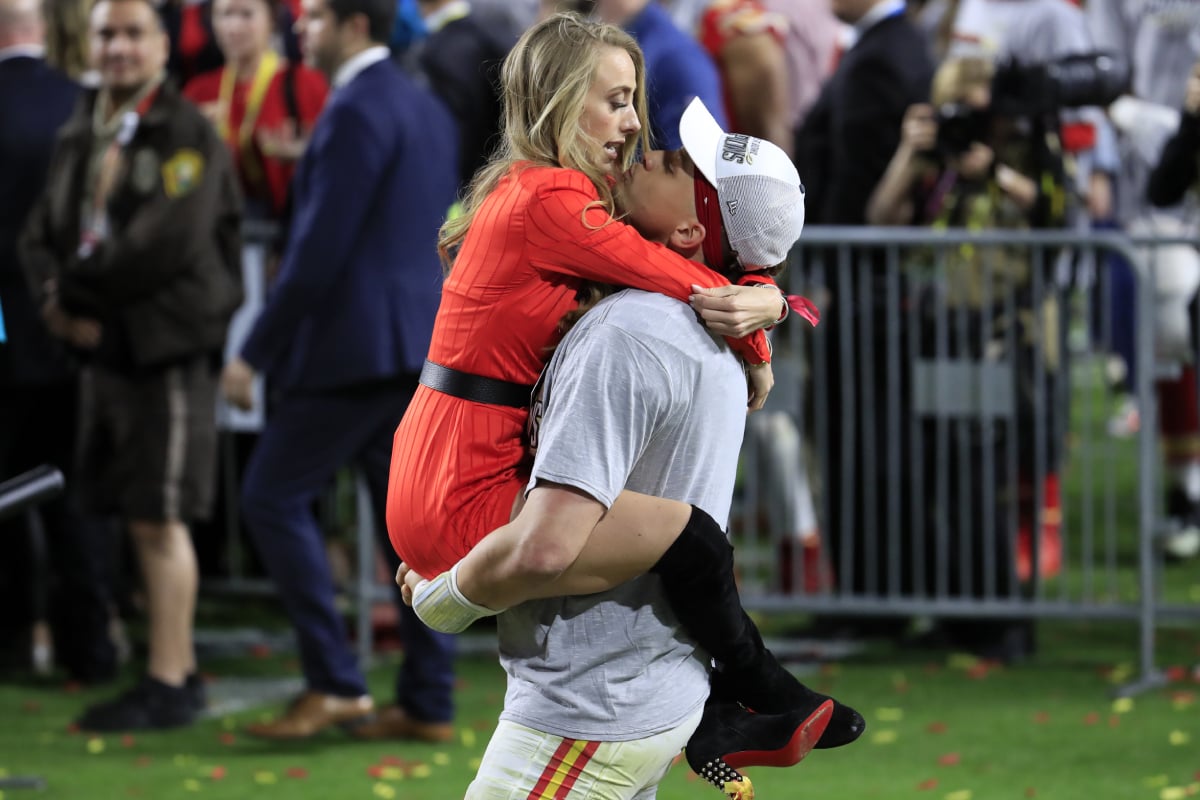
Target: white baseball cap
x=760, y=193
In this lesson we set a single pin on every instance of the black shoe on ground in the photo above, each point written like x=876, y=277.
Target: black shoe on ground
x=771, y=689
x=194, y=686
x=151, y=705
x=729, y=737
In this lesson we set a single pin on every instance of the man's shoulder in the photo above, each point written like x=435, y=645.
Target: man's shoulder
x=646, y=317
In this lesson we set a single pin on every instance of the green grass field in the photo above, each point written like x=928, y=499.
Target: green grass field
x=940, y=726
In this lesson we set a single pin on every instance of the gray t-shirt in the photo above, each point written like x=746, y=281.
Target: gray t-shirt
x=638, y=395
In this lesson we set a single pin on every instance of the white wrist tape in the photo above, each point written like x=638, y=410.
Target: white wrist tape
x=442, y=606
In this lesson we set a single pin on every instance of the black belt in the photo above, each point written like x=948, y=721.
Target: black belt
x=475, y=388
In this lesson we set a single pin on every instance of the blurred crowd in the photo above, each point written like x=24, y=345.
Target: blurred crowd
x=120, y=265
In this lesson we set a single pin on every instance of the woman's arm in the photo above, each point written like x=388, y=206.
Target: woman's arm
x=570, y=234
x=891, y=202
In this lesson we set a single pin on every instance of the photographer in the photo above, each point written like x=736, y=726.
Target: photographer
x=966, y=166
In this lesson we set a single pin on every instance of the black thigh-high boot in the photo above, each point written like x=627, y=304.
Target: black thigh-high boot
x=697, y=576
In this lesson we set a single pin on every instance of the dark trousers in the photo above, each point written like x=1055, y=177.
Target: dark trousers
x=307, y=439
x=57, y=559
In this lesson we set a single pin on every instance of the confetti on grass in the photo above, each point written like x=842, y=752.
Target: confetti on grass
x=384, y=791
x=961, y=794
x=936, y=727
x=265, y=778
x=883, y=737
x=927, y=785
x=949, y=759
x=1178, y=738
x=889, y=714
x=95, y=745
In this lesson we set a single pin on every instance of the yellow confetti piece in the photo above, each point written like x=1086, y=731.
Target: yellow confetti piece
x=391, y=774
x=1172, y=793
x=182, y=760
x=1155, y=781
x=962, y=661
x=421, y=771
x=192, y=785
x=475, y=764
x=1182, y=703
x=1178, y=738
x=441, y=759
x=468, y=737
x=889, y=714
x=1194, y=593
x=95, y=746
x=1120, y=673
x=383, y=790
x=883, y=737
x=1122, y=705
x=229, y=723
x=961, y=794
x=265, y=778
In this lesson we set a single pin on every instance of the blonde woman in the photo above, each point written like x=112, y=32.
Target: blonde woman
x=537, y=223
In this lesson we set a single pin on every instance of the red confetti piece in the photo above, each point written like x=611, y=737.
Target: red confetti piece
x=927, y=785
x=829, y=669
x=142, y=761
x=226, y=738
x=375, y=771
x=392, y=761
x=73, y=728
x=1041, y=717
x=1114, y=721
x=299, y=773
x=133, y=791
x=127, y=741
x=1197, y=775
x=1091, y=719
x=71, y=687
x=1176, y=674
x=949, y=759
x=218, y=773
x=31, y=706
x=1030, y=791
x=936, y=727
x=260, y=650
x=979, y=670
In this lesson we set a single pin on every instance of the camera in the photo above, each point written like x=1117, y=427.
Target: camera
x=959, y=125
x=1039, y=90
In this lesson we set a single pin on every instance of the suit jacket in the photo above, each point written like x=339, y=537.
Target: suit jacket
x=851, y=133
x=360, y=281
x=35, y=100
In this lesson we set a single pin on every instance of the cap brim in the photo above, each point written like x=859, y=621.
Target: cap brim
x=701, y=137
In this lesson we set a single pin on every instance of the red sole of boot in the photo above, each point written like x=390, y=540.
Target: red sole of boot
x=803, y=739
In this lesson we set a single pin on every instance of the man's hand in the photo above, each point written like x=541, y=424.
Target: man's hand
x=80, y=332
x=237, y=384
x=284, y=142
x=738, y=311
x=761, y=380
x=439, y=603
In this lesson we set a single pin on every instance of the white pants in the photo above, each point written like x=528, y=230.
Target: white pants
x=523, y=764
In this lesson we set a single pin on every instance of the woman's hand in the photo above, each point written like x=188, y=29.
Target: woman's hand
x=919, y=130
x=760, y=380
x=976, y=162
x=738, y=311
x=1191, y=100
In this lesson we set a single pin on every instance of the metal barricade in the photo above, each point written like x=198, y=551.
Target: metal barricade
x=955, y=389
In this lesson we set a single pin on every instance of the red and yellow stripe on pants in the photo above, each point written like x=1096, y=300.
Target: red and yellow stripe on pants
x=563, y=770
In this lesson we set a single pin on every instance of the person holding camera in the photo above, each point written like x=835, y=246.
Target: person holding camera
x=1178, y=167
x=962, y=166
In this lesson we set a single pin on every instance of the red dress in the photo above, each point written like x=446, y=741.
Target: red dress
x=456, y=464
x=267, y=179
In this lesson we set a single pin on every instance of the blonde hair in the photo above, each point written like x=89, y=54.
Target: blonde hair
x=545, y=82
x=957, y=76
x=67, y=35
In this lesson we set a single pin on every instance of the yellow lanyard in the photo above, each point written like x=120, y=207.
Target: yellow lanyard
x=268, y=65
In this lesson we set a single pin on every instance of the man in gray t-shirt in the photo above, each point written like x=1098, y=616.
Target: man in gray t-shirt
x=605, y=689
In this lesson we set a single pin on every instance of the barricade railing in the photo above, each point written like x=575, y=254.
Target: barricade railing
x=949, y=415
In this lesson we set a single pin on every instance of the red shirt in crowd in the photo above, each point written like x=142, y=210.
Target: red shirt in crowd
x=456, y=464
x=263, y=177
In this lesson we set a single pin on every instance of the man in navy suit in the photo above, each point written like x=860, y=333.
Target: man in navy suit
x=342, y=338
x=37, y=386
